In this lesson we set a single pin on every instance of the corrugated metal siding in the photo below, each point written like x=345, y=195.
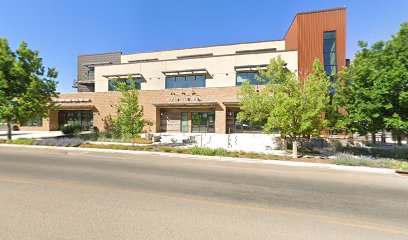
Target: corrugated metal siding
x=309, y=28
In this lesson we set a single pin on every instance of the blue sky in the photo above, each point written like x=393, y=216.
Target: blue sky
x=62, y=30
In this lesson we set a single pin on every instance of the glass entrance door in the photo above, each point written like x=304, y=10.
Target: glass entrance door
x=184, y=122
x=203, y=122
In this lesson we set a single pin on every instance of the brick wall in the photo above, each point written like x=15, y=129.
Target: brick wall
x=104, y=104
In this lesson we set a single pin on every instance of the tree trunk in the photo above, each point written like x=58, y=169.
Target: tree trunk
x=399, y=139
x=133, y=140
x=294, y=149
x=9, y=129
x=373, y=138
x=284, y=144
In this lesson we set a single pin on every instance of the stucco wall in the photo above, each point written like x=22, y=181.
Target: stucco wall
x=220, y=68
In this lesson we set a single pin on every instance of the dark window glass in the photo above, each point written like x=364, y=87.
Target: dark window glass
x=203, y=122
x=33, y=122
x=248, y=76
x=82, y=117
x=112, y=87
x=191, y=81
x=329, y=52
x=91, y=73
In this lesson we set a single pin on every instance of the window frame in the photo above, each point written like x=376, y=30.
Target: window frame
x=184, y=83
x=333, y=67
x=112, y=88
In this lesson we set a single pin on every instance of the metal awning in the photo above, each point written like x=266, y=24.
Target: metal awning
x=232, y=103
x=185, y=104
x=124, y=76
x=76, y=107
x=200, y=71
x=96, y=64
x=250, y=68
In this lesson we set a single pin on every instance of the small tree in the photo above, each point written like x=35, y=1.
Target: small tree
x=26, y=89
x=293, y=107
x=130, y=115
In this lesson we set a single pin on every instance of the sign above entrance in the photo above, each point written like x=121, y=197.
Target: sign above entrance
x=77, y=100
x=184, y=99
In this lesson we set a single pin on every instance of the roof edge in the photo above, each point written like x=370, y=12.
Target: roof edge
x=313, y=11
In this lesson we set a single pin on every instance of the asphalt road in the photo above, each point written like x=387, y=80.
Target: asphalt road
x=56, y=194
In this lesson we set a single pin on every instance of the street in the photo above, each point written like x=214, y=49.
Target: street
x=62, y=194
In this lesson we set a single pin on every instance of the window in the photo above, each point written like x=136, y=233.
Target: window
x=203, y=122
x=191, y=81
x=236, y=126
x=33, y=122
x=91, y=73
x=82, y=117
x=250, y=76
x=112, y=87
x=329, y=53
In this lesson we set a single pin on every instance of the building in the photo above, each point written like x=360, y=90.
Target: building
x=195, y=89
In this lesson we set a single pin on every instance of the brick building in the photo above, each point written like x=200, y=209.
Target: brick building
x=195, y=89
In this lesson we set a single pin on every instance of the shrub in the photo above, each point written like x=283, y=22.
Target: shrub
x=201, y=151
x=22, y=141
x=71, y=129
x=61, y=142
x=221, y=152
x=352, y=160
x=165, y=149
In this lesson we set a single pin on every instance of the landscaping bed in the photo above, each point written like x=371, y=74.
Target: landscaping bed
x=340, y=158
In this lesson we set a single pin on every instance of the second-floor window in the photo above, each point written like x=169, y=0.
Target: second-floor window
x=112, y=87
x=193, y=81
x=249, y=76
x=329, y=53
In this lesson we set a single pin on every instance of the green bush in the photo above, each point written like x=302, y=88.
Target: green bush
x=221, y=152
x=71, y=129
x=201, y=151
x=23, y=141
x=166, y=149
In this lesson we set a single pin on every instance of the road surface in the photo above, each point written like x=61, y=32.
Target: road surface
x=59, y=194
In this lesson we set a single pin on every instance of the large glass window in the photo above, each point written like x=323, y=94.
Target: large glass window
x=33, y=122
x=250, y=76
x=329, y=52
x=203, y=122
x=82, y=117
x=192, y=81
x=112, y=87
x=236, y=126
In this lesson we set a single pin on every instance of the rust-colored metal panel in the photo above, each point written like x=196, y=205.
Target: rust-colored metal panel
x=307, y=30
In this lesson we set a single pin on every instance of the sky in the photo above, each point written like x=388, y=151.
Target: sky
x=62, y=30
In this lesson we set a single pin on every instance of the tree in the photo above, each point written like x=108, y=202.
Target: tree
x=130, y=115
x=375, y=94
x=26, y=89
x=292, y=107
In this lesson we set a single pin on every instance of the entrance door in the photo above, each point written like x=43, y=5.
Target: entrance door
x=184, y=122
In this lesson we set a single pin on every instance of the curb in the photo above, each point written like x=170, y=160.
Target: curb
x=221, y=159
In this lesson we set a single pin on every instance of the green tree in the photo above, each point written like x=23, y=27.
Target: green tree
x=292, y=107
x=130, y=115
x=26, y=88
x=375, y=93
